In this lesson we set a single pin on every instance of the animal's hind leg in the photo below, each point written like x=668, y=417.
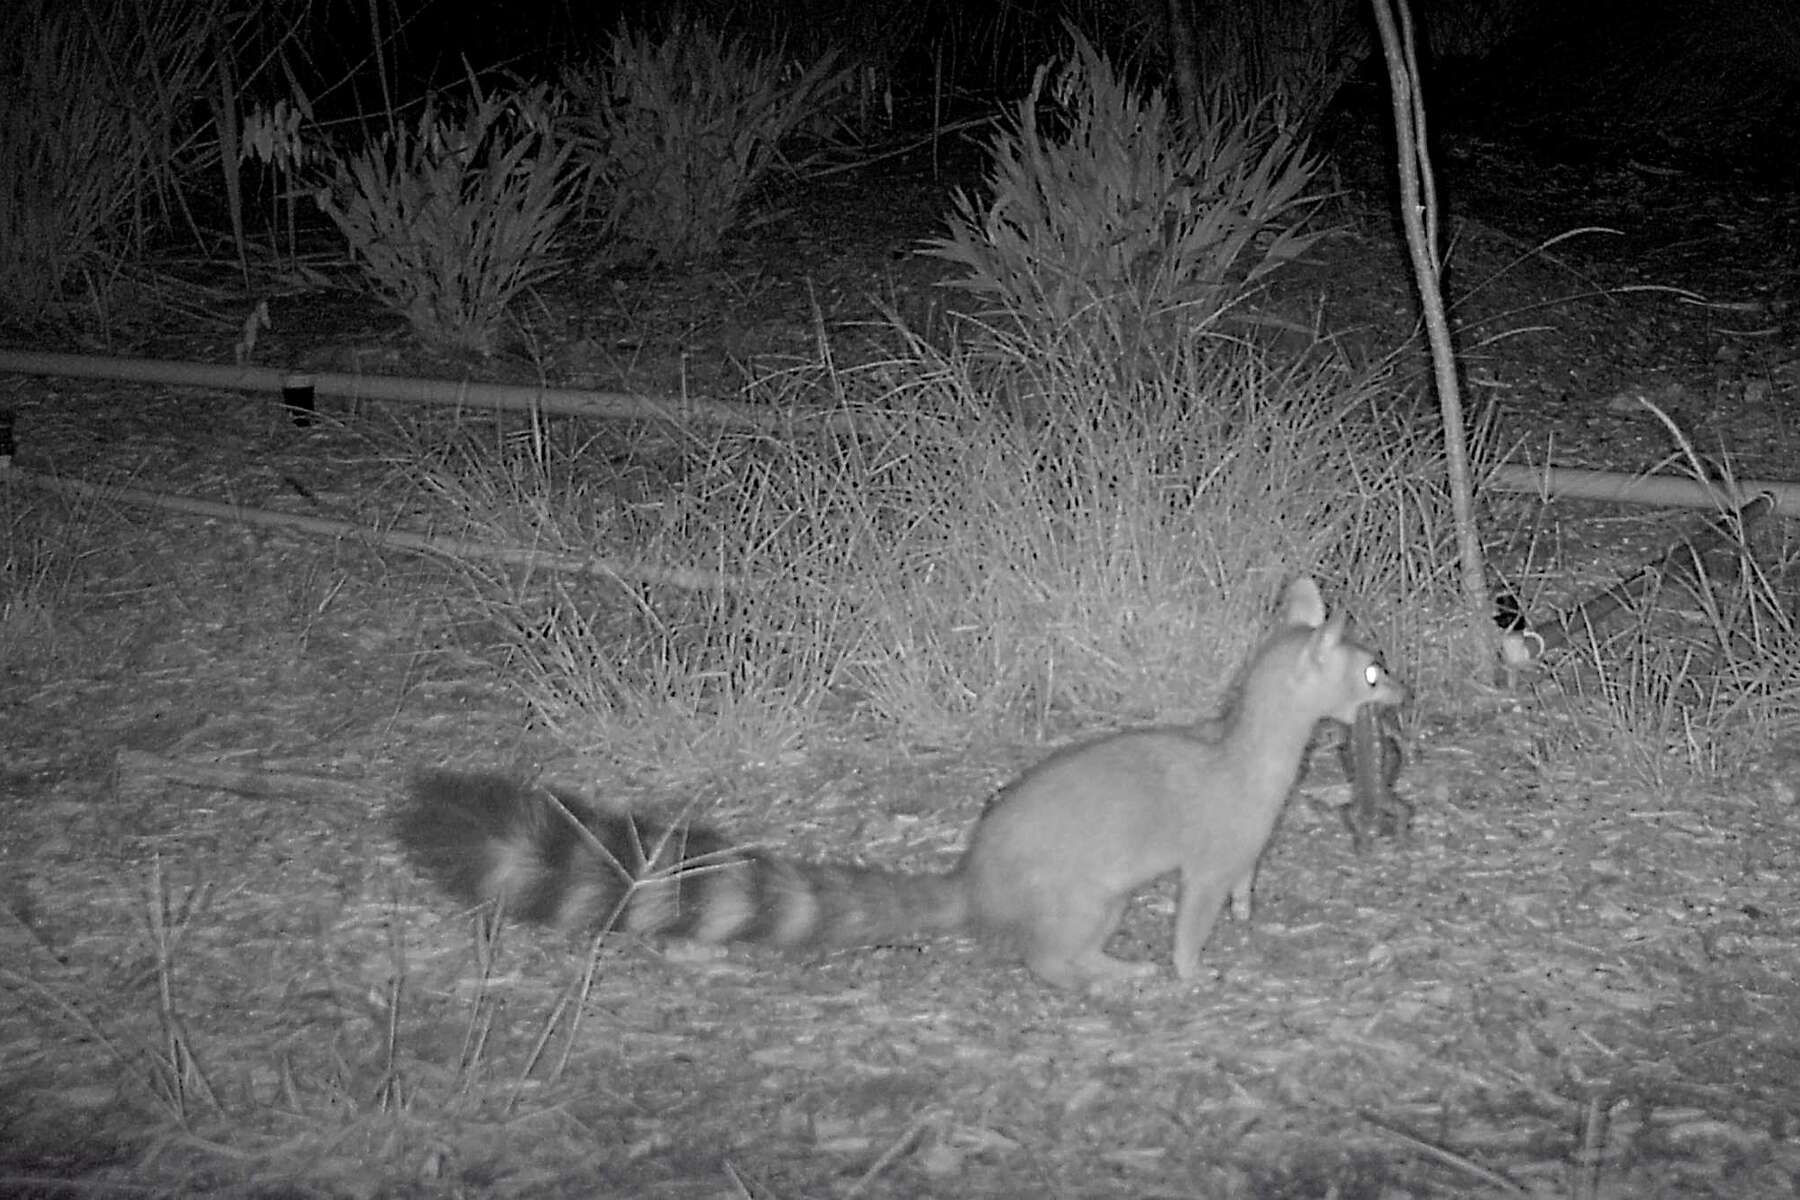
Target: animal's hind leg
x=1064, y=942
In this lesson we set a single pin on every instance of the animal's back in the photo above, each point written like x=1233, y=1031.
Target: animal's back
x=1101, y=810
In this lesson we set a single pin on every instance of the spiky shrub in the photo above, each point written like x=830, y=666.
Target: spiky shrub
x=679, y=129
x=1107, y=227
x=448, y=220
x=87, y=128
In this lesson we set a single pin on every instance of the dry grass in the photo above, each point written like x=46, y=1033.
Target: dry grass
x=43, y=541
x=1698, y=678
x=956, y=570
x=1699, y=684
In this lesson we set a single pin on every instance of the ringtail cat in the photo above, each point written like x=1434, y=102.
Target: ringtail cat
x=1047, y=873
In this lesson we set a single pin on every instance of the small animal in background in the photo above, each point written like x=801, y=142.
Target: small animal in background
x=1048, y=871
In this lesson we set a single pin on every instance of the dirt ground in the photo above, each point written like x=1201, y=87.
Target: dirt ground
x=219, y=977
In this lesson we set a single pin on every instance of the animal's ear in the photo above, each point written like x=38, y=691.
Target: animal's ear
x=1323, y=643
x=1301, y=603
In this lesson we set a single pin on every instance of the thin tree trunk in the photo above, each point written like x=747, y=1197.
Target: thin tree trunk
x=1419, y=220
x=1184, y=60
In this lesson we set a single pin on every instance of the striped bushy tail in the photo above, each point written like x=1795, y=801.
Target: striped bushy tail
x=549, y=857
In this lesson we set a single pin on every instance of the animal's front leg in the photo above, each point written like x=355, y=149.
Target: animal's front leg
x=1195, y=912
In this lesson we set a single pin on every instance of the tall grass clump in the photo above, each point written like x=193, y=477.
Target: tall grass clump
x=736, y=658
x=1115, y=557
x=1106, y=221
x=1289, y=58
x=948, y=571
x=1694, y=708
x=679, y=129
x=91, y=98
x=449, y=219
x=1699, y=698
